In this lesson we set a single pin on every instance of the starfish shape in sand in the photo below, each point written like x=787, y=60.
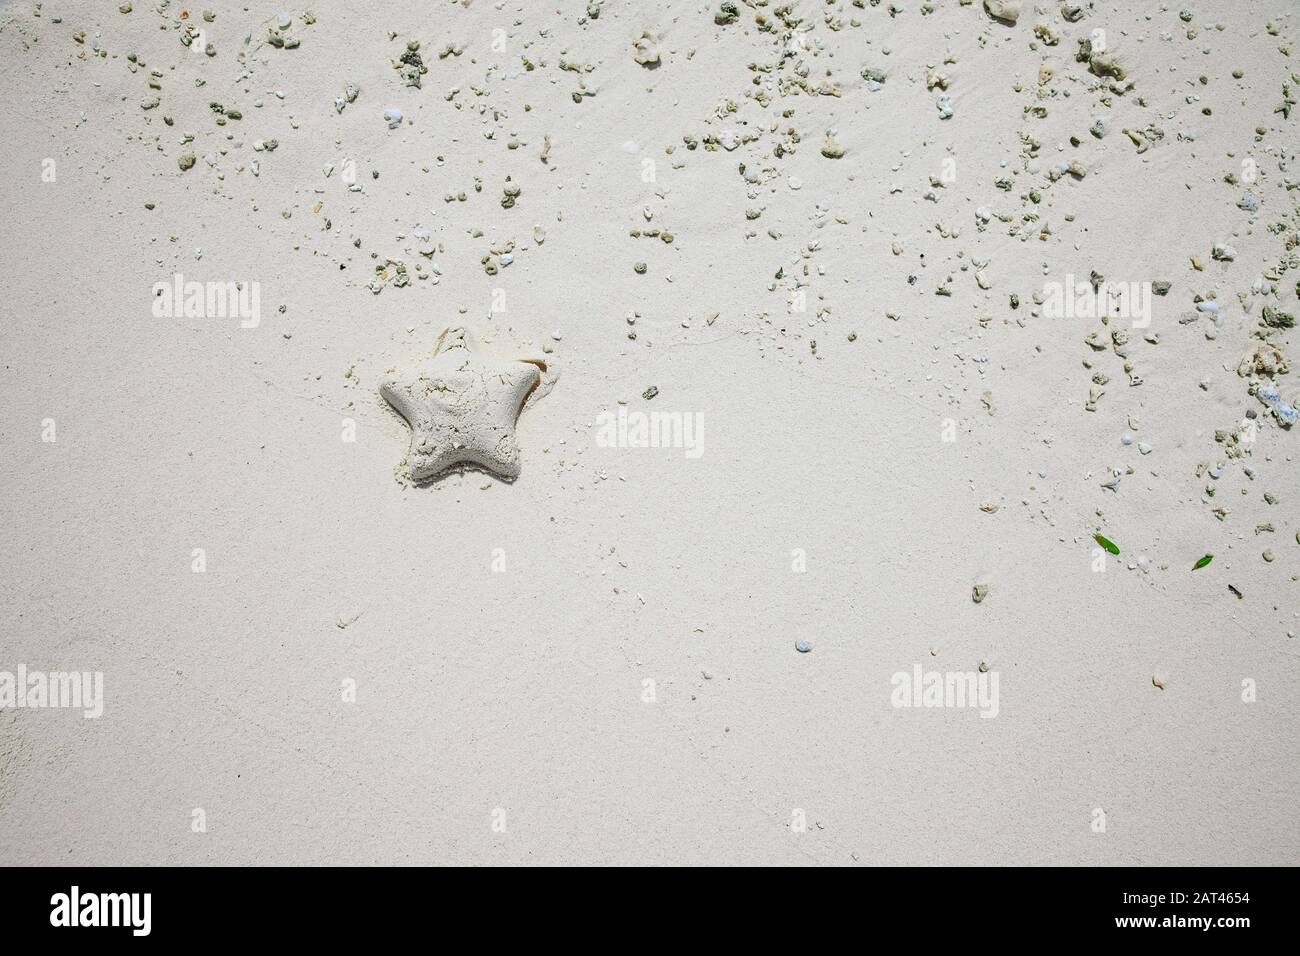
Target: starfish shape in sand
x=461, y=407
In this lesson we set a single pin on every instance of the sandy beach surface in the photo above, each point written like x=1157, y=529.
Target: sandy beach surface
x=928, y=313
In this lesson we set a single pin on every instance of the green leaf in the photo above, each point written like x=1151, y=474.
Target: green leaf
x=1203, y=562
x=1106, y=543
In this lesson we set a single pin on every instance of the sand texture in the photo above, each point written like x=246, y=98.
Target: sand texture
x=903, y=364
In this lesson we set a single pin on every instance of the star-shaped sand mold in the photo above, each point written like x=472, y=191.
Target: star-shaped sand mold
x=461, y=407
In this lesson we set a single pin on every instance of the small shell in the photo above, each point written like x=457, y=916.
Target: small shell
x=1007, y=11
x=647, y=52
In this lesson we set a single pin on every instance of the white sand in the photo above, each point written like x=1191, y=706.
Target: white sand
x=501, y=716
